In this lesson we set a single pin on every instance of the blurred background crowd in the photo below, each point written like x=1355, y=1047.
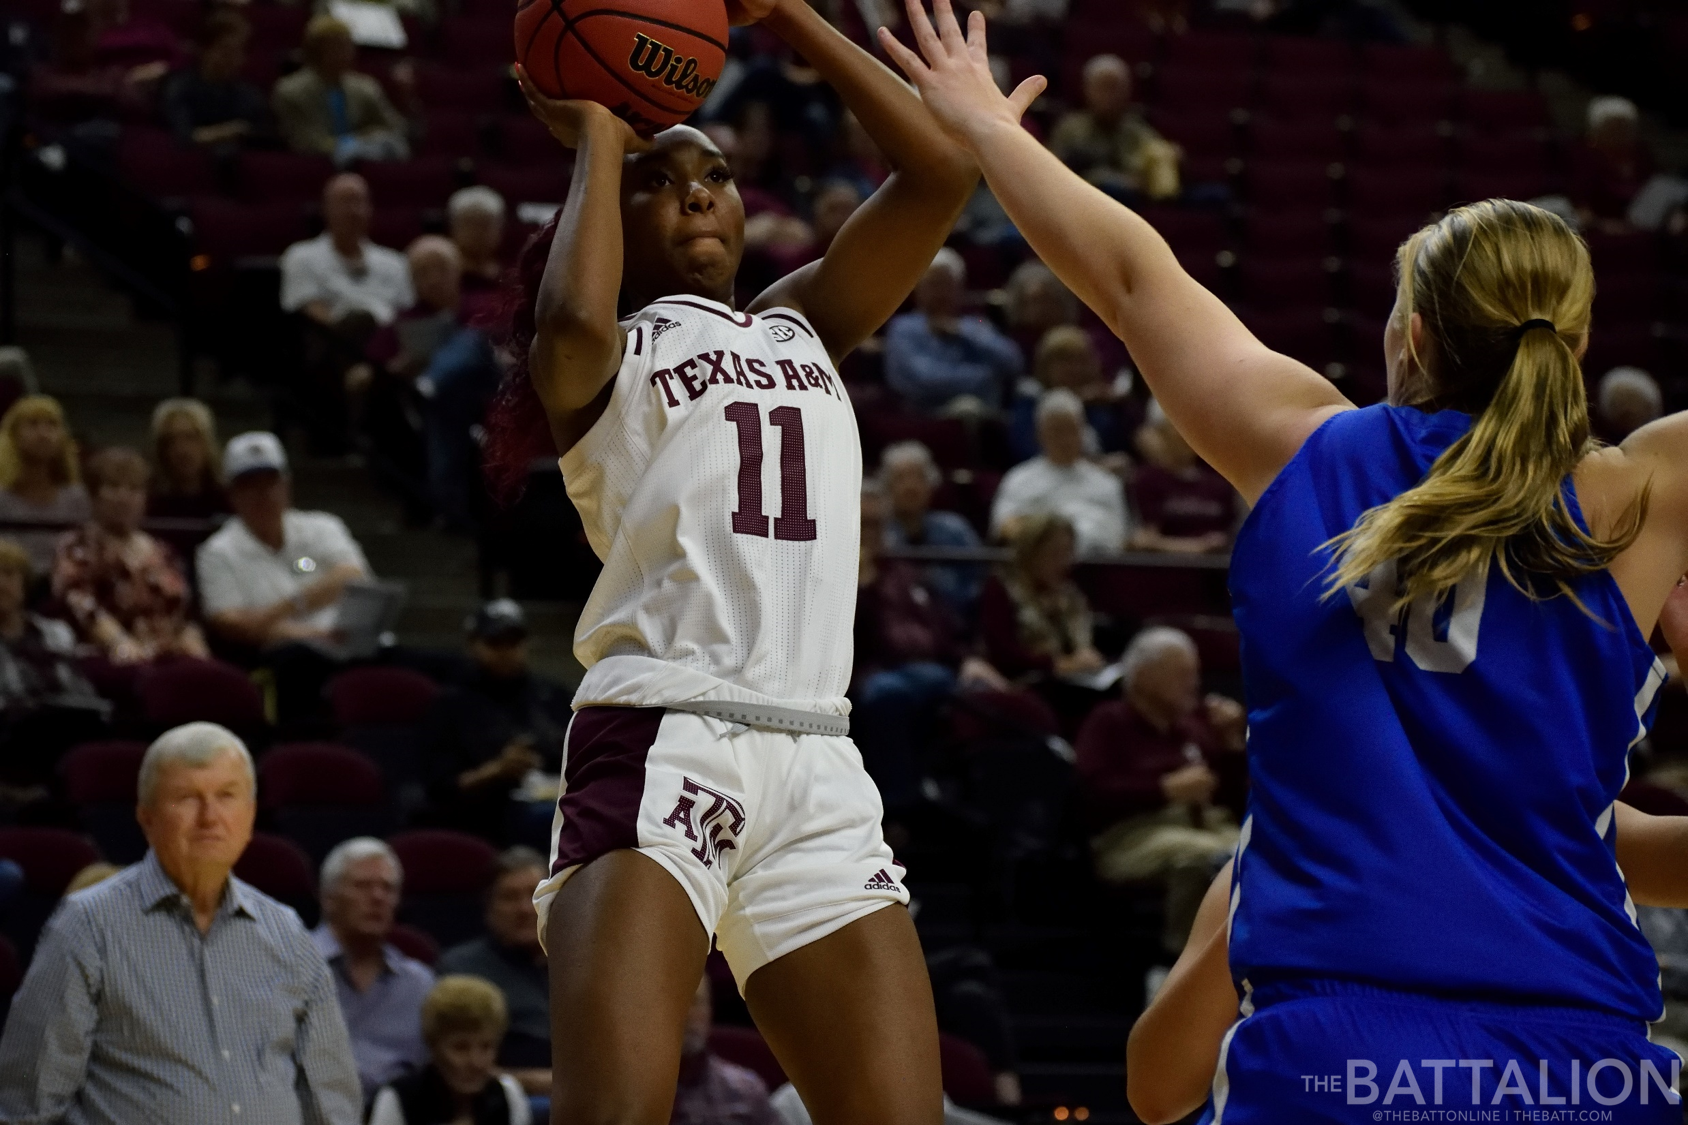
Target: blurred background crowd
x=252, y=311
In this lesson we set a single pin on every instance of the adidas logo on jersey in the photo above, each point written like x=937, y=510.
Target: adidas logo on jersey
x=660, y=325
x=880, y=882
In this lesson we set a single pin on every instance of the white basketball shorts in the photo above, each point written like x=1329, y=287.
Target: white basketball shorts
x=775, y=837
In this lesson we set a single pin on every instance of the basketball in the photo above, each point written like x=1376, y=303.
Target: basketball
x=652, y=62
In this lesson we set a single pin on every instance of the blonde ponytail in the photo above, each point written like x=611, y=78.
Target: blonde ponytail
x=1505, y=291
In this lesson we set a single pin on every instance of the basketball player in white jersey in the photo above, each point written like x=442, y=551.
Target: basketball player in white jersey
x=709, y=786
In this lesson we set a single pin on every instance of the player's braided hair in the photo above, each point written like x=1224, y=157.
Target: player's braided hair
x=517, y=430
x=1505, y=290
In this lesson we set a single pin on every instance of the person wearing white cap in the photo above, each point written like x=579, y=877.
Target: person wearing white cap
x=273, y=575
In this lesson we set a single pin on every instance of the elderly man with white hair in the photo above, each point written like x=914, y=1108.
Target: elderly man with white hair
x=908, y=475
x=380, y=989
x=172, y=991
x=1627, y=399
x=1153, y=768
x=937, y=354
x=1612, y=163
x=475, y=220
x=1060, y=479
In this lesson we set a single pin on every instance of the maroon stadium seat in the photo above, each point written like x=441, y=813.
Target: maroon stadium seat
x=1394, y=103
x=225, y=231
x=1628, y=253
x=1187, y=89
x=319, y=794
x=1295, y=54
x=1272, y=284
x=380, y=695
x=99, y=781
x=1505, y=152
x=398, y=227
x=281, y=869
x=522, y=141
x=462, y=91
x=1524, y=184
x=1139, y=592
x=966, y=1071
x=445, y=875
x=276, y=26
x=453, y=134
x=1203, y=133
x=980, y=715
x=1214, y=50
x=1298, y=139
x=546, y=183
x=1303, y=332
x=1627, y=298
x=187, y=691
x=415, y=944
x=1374, y=237
x=744, y=1046
x=1371, y=289
x=50, y=858
x=283, y=177
x=476, y=41
x=1388, y=146
x=1396, y=191
x=426, y=181
x=1186, y=230
x=1283, y=184
x=1321, y=97
x=1505, y=110
x=161, y=166
x=1286, y=232
x=1391, y=63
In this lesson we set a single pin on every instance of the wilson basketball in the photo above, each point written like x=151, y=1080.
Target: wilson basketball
x=652, y=62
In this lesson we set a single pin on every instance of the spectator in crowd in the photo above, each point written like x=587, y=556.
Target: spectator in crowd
x=343, y=287
x=1035, y=302
x=124, y=590
x=122, y=38
x=1108, y=142
x=1066, y=357
x=186, y=483
x=491, y=730
x=475, y=217
x=1611, y=164
x=40, y=478
x=834, y=202
x=78, y=85
x=1182, y=505
x=209, y=103
x=146, y=986
x=380, y=989
x=326, y=107
x=1628, y=398
x=1061, y=480
x=1156, y=769
x=713, y=1091
x=862, y=164
x=510, y=956
x=462, y=1021
x=91, y=876
x=910, y=658
x=1033, y=617
x=908, y=475
x=46, y=704
x=935, y=354
x=271, y=578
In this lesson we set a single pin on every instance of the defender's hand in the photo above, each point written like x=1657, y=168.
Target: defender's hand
x=1674, y=620
x=569, y=120
x=742, y=12
x=954, y=78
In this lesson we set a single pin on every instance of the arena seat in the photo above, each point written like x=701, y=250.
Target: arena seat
x=744, y=1046
x=1628, y=253
x=1524, y=184
x=319, y=794
x=1280, y=233
x=276, y=26
x=1302, y=332
x=1273, y=284
x=1291, y=183
x=478, y=90
x=1302, y=138
x=1306, y=55
x=1509, y=152
x=445, y=875
x=425, y=181
x=50, y=858
x=1622, y=298
x=1371, y=288
x=1374, y=237
x=162, y=166
x=380, y=695
x=547, y=183
x=524, y=142
x=1194, y=89
x=1396, y=191
x=475, y=42
x=1406, y=105
x=399, y=226
x=1390, y=62
x=1307, y=97
x=451, y=133
x=225, y=231
x=1378, y=145
x=187, y=691
x=415, y=944
x=1202, y=133
x=1213, y=49
x=99, y=781
x=1186, y=230
x=1504, y=110
x=281, y=869
x=966, y=1072
x=283, y=177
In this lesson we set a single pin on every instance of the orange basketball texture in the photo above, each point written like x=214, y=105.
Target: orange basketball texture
x=652, y=62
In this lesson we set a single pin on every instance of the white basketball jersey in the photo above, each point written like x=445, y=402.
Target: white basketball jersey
x=721, y=488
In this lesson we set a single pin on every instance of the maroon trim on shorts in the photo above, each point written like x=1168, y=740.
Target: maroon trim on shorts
x=603, y=781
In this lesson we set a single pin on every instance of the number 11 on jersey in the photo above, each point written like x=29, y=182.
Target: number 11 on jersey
x=793, y=522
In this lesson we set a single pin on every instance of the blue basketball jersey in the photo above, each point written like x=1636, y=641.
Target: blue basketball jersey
x=1432, y=792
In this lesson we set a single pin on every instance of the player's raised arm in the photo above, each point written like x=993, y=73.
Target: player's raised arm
x=1245, y=408
x=886, y=246
x=577, y=342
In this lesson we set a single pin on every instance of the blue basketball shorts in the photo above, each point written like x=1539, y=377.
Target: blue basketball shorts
x=1329, y=1051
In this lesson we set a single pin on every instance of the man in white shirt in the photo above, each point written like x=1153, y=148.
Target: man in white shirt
x=342, y=287
x=1060, y=480
x=271, y=578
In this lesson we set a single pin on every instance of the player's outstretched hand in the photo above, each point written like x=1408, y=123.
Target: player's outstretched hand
x=569, y=120
x=954, y=78
x=742, y=12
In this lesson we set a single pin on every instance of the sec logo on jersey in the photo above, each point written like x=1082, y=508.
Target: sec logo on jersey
x=782, y=333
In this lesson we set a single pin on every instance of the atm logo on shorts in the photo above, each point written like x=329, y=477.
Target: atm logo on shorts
x=715, y=829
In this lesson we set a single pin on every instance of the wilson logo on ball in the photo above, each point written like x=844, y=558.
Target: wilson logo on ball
x=659, y=60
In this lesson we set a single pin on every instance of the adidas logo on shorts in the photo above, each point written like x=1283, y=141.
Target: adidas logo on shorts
x=880, y=882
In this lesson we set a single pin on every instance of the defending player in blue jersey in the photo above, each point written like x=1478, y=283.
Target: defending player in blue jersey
x=1444, y=603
